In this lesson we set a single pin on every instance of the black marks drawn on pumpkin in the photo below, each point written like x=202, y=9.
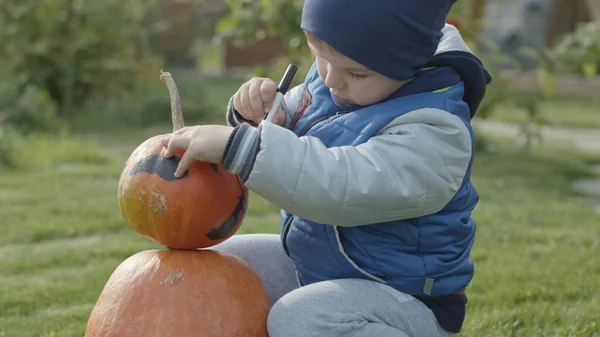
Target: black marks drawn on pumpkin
x=215, y=167
x=229, y=224
x=158, y=164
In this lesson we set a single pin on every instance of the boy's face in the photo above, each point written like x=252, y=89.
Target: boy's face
x=349, y=81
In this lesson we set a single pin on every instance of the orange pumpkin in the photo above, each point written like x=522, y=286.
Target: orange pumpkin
x=181, y=293
x=201, y=209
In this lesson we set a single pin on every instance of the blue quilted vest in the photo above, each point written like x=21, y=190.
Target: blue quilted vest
x=426, y=256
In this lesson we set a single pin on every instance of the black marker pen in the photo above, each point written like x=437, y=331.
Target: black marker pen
x=283, y=87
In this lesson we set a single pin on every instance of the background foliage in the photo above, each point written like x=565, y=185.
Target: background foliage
x=79, y=90
x=579, y=52
x=68, y=59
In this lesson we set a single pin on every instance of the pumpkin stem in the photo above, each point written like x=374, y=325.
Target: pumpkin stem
x=176, y=112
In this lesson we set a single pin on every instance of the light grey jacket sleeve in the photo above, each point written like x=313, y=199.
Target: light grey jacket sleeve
x=412, y=168
x=290, y=106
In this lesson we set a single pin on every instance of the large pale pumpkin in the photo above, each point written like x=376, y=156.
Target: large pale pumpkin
x=181, y=293
x=203, y=208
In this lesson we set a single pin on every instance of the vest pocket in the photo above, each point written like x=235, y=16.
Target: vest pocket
x=351, y=261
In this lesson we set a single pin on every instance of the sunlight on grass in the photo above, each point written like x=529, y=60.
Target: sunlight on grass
x=537, y=267
x=38, y=151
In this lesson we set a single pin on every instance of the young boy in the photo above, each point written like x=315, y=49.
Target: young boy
x=370, y=163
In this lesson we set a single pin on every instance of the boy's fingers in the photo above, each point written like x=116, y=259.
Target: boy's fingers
x=183, y=129
x=246, y=106
x=184, y=164
x=165, y=143
x=268, y=89
x=165, y=140
x=176, y=144
x=279, y=118
x=237, y=102
x=255, y=99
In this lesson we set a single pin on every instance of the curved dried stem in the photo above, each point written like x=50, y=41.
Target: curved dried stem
x=176, y=112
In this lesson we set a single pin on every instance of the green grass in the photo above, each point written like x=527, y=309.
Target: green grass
x=575, y=112
x=536, y=255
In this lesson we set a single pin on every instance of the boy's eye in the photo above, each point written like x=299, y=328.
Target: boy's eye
x=357, y=76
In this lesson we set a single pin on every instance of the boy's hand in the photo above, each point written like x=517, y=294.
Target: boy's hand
x=201, y=142
x=255, y=98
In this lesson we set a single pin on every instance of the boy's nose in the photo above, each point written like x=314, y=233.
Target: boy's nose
x=334, y=80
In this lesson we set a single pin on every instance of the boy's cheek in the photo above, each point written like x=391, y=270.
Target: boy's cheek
x=321, y=69
x=371, y=93
x=361, y=96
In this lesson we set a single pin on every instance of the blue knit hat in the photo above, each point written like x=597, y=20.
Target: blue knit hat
x=395, y=38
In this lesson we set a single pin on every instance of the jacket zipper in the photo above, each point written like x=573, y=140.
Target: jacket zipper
x=315, y=123
x=286, y=229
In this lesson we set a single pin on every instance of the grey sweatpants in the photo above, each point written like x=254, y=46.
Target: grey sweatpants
x=346, y=307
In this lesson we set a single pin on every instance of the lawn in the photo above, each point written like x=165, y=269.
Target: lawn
x=536, y=255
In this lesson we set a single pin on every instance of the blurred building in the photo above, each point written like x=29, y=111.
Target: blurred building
x=512, y=24
x=194, y=21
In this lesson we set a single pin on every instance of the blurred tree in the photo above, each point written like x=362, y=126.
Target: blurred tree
x=252, y=20
x=56, y=55
x=579, y=51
